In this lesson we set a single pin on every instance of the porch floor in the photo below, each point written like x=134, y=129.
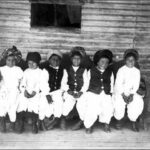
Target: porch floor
x=58, y=139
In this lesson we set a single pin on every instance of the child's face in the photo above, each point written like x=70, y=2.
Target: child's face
x=76, y=60
x=130, y=61
x=32, y=64
x=10, y=61
x=54, y=61
x=103, y=63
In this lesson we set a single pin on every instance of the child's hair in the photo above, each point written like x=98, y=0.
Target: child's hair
x=80, y=49
x=10, y=55
x=76, y=53
x=131, y=52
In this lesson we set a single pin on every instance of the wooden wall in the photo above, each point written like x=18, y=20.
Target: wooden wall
x=113, y=24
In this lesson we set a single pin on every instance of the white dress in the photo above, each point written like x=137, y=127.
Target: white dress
x=127, y=82
x=11, y=78
x=32, y=81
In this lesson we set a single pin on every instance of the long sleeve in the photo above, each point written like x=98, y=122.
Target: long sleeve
x=136, y=81
x=112, y=83
x=44, y=86
x=119, y=87
x=23, y=83
x=88, y=78
x=85, y=82
x=64, y=85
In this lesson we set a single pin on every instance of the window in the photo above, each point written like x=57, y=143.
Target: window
x=55, y=15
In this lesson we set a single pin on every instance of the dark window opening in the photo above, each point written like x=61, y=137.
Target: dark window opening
x=57, y=15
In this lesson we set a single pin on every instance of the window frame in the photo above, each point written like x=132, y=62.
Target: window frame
x=53, y=28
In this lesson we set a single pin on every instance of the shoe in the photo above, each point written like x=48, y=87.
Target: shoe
x=107, y=128
x=52, y=124
x=42, y=126
x=88, y=130
x=3, y=123
x=35, y=128
x=118, y=125
x=63, y=123
x=77, y=126
x=135, y=127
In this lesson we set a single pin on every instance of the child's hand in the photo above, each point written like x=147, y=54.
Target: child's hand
x=32, y=94
x=125, y=98
x=130, y=99
x=78, y=95
x=70, y=92
x=49, y=99
x=26, y=94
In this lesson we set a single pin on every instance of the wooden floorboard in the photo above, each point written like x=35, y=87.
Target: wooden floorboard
x=59, y=139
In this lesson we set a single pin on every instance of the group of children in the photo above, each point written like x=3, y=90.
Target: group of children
x=52, y=91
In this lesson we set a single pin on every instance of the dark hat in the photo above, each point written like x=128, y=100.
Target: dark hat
x=103, y=54
x=34, y=56
x=80, y=49
x=76, y=52
x=131, y=52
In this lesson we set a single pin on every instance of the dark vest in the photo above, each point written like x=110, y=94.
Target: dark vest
x=75, y=79
x=55, y=77
x=100, y=81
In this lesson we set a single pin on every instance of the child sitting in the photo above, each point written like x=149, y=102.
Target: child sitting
x=11, y=77
x=53, y=106
x=32, y=86
x=98, y=98
x=74, y=84
x=126, y=87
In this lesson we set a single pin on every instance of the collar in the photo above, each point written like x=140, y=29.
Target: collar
x=56, y=68
x=75, y=68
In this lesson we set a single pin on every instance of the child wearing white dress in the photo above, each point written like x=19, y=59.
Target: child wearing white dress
x=126, y=87
x=31, y=91
x=11, y=77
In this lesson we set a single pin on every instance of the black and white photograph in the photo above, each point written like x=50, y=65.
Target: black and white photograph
x=74, y=74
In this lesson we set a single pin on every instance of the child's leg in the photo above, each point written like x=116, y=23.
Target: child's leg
x=81, y=107
x=34, y=123
x=135, y=109
x=58, y=103
x=3, y=112
x=13, y=103
x=57, y=107
x=68, y=105
x=107, y=110
x=44, y=110
x=92, y=109
x=119, y=107
x=21, y=119
x=3, y=123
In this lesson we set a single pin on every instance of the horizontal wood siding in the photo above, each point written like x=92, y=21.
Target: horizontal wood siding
x=113, y=24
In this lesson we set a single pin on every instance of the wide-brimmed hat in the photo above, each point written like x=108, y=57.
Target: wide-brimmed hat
x=54, y=52
x=103, y=54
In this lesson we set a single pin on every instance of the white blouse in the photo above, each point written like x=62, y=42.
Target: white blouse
x=127, y=80
x=35, y=80
x=11, y=76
